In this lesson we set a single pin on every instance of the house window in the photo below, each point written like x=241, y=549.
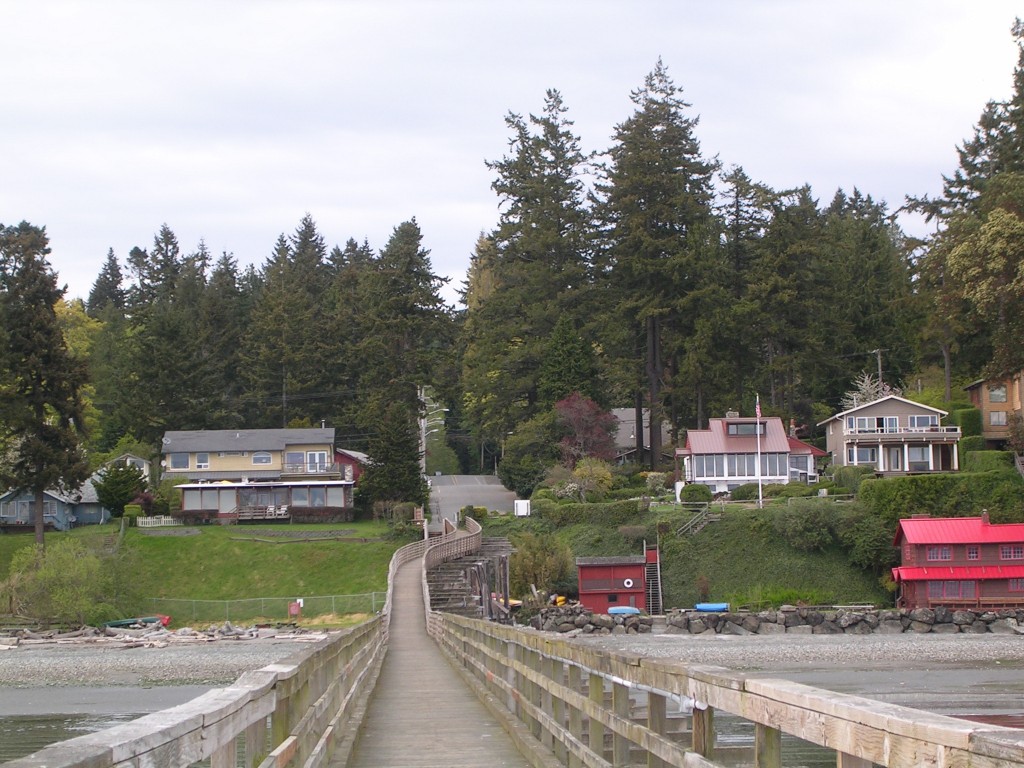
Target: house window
x=997, y=418
x=202, y=461
x=293, y=461
x=613, y=598
x=940, y=553
x=710, y=465
x=997, y=393
x=1016, y=585
x=862, y=455
x=973, y=552
x=261, y=457
x=1011, y=551
x=179, y=461
x=757, y=428
x=917, y=458
x=300, y=497
x=951, y=590
x=922, y=421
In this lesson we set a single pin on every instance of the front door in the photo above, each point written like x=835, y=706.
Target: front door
x=316, y=461
x=894, y=459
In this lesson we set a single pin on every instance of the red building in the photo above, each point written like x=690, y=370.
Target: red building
x=959, y=562
x=609, y=582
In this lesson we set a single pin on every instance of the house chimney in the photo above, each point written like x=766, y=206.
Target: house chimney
x=792, y=427
x=732, y=414
x=984, y=517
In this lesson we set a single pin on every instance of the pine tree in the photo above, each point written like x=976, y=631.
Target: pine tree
x=107, y=291
x=41, y=408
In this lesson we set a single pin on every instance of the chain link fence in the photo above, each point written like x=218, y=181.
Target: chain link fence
x=270, y=608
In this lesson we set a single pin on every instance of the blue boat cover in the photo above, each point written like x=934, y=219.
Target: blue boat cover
x=711, y=607
x=623, y=609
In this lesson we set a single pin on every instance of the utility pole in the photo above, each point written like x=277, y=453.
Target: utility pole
x=878, y=354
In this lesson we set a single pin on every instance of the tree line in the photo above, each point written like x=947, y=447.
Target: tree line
x=649, y=275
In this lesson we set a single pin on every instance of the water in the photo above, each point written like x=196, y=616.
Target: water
x=32, y=718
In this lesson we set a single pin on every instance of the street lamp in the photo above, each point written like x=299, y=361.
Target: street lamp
x=431, y=422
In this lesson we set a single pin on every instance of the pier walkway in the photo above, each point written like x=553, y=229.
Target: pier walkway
x=421, y=714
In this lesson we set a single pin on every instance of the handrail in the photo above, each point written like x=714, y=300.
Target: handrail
x=571, y=697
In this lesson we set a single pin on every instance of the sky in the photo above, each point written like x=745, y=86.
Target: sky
x=231, y=120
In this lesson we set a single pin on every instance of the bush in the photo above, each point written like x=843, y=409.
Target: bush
x=958, y=494
x=808, y=526
x=541, y=561
x=633, y=533
x=610, y=513
x=695, y=492
x=745, y=492
x=132, y=513
x=789, y=491
x=970, y=444
x=867, y=538
x=986, y=461
x=968, y=419
x=851, y=477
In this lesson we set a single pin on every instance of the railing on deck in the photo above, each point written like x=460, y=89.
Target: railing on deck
x=597, y=708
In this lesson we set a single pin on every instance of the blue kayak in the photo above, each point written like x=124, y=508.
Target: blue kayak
x=623, y=610
x=711, y=607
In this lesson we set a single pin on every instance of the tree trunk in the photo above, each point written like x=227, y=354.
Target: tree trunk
x=947, y=370
x=654, y=372
x=40, y=524
x=638, y=426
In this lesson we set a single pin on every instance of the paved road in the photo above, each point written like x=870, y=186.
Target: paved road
x=450, y=493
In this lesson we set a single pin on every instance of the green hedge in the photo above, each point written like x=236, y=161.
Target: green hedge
x=970, y=444
x=985, y=461
x=695, y=492
x=958, y=494
x=610, y=513
x=968, y=419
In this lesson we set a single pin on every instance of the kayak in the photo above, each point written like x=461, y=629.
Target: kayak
x=711, y=607
x=623, y=610
x=160, y=619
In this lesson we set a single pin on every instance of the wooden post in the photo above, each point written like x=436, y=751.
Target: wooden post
x=255, y=743
x=657, y=721
x=224, y=757
x=767, y=746
x=620, y=705
x=596, y=739
x=556, y=706
x=575, y=715
x=704, y=732
x=844, y=760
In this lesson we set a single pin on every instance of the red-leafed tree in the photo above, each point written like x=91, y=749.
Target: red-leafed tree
x=589, y=431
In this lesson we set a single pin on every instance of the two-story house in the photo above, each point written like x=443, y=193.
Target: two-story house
x=258, y=474
x=725, y=455
x=893, y=436
x=998, y=400
x=960, y=562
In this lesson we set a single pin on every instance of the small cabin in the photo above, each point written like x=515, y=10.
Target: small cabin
x=610, y=582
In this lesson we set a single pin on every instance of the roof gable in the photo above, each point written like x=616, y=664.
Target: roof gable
x=957, y=530
x=716, y=438
x=854, y=410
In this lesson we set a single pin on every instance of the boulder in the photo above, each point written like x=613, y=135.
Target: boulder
x=861, y=628
x=814, y=618
x=943, y=615
x=948, y=628
x=890, y=627
x=922, y=616
x=975, y=628
x=1002, y=626
x=963, y=618
x=802, y=629
x=921, y=627
x=771, y=628
x=751, y=623
x=728, y=628
x=826, y=628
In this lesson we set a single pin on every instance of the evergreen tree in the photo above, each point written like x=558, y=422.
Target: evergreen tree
x=117, y=485
x=107, y=291
x=568, y=366
x=41, y=408
x=655, y=213
x=394, y=474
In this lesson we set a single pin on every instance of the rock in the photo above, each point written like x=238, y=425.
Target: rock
x=848, y=619
x=861, y=628
x=793, y=620
x=644, y=628
x=975, y=628
x=963, y=618
x=802, y=629
x=566, y=626
x=618, y=629
x=814, y=618
x=922, y=616
x=729, y=628
x=890, y=627
x=751, y=623
x=602, y=620
x=826, y=628
x=921, y=626
x=1003, y=627
x=948, y=628
x=697, y=627
x=581, y=620
x=943, y=615
x=771, y=628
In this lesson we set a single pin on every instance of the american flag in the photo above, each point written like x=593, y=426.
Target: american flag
x=757, y=407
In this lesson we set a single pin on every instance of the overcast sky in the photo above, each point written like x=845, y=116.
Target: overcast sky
x=229, y=121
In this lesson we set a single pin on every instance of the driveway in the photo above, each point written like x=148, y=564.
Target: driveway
x=450, y=493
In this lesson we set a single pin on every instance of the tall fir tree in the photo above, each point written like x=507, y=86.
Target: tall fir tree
x=107, y=290
x=41, y=419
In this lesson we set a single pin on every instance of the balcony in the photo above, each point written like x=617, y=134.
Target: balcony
x=876, y=435
x=315, y=469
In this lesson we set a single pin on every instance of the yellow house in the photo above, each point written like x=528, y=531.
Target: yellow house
x=998, y=400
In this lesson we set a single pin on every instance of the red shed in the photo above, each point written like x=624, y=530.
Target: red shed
x=607, y=582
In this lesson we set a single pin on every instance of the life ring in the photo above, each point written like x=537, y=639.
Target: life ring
x=627, y=583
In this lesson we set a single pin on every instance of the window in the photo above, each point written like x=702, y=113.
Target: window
x=922, y=421
x=613, y=598
x=940, y=553
x=300, y=497
x=202, y=461
x=293, y=460
x=709, y=465
x=951, y=590
x=997, y=393
x=1016, y=585
x=918, y=458
x=318, y=497
x=179, y=461
x=261, y=457
x=746, y=429
x=973, y=552
x=864, y=455
x=1011, y=551
x=997, y=418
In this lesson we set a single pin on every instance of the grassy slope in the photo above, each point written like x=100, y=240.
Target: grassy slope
x=216, y=565
x=740, y=557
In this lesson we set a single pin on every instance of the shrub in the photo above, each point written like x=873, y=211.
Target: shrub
x=541, y=561
x=851, y=477
x=745, y=492
x=809, y=526
x=132, y=513
x=958, y=494
x=968, y=419
x=610, y=513
x=970, y=444
x=789, y=491
x=633, y=533
x=695, y=492
x=986, y=461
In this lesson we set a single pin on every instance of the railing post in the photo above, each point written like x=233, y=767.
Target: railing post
x=704, y=731
x=767, y=746
x=657, y=721
x=575, y=715
x=844, y=760
x=620, y=744
x=554, y=706
x=596, y=737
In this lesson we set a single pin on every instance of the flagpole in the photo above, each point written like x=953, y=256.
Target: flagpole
x=757, y=413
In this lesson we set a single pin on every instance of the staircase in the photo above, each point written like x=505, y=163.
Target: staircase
x=653, y=580
x=464, y=586
x=696, y=524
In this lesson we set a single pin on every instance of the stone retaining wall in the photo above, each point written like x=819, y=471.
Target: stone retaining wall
x=787, y=620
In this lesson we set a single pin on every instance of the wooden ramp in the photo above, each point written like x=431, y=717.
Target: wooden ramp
x=421, y=714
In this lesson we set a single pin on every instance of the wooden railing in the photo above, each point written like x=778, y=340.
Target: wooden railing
x=597, y=708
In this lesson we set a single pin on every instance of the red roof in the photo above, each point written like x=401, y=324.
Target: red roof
x=957, y=530
x=977, y=572
x=799, y=447
x=716, y=438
